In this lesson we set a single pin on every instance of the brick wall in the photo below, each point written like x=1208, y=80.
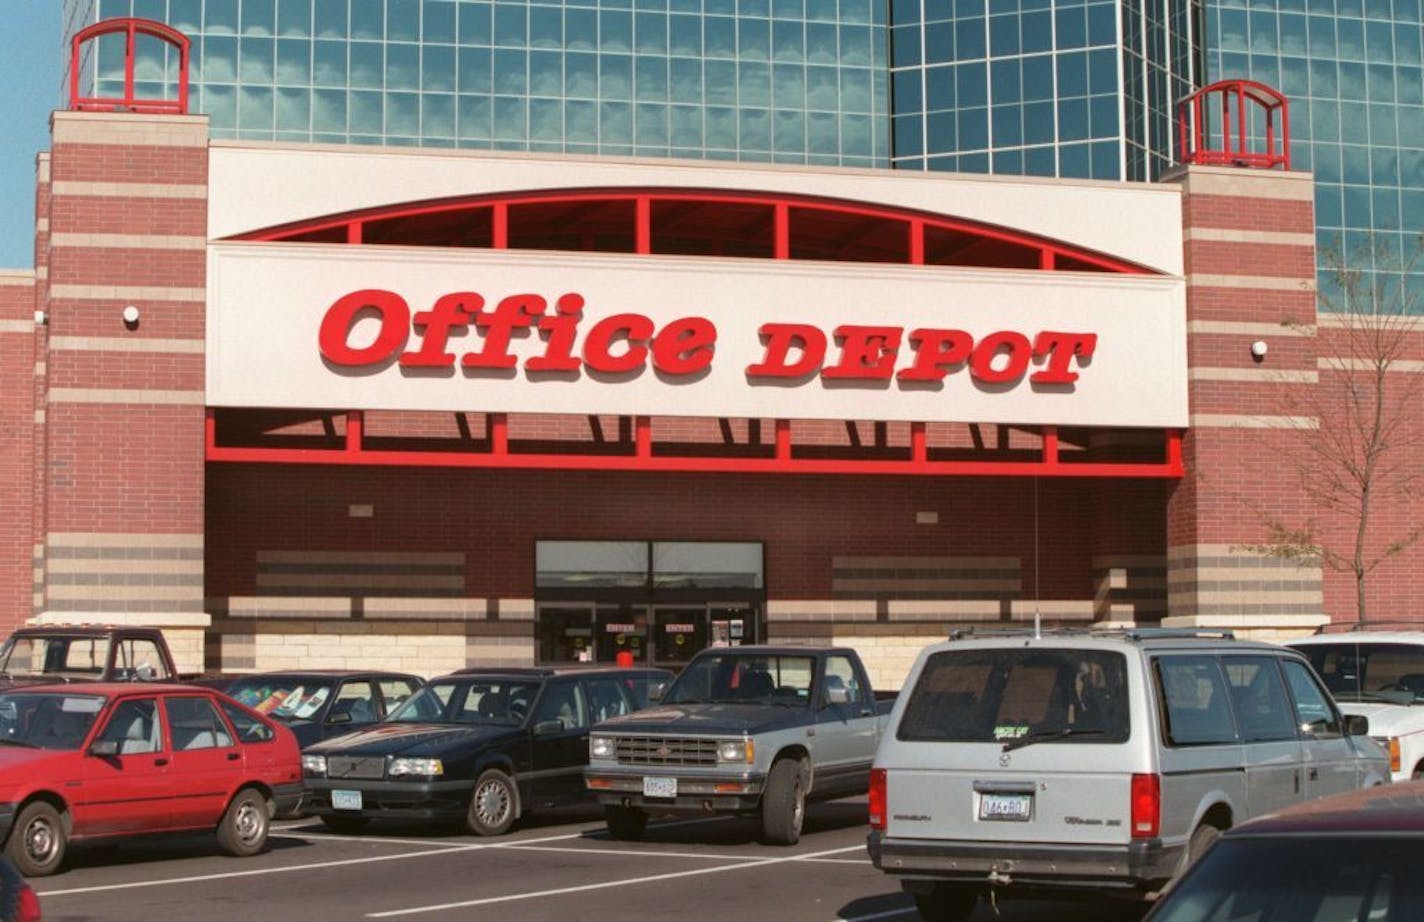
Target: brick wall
x=122, y=529
x=17, y=446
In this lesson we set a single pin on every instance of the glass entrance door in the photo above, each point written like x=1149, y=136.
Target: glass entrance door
x=679, y=631
x=564, y=633
x=621, y=629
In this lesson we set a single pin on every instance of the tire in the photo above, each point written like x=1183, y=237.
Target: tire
x=1201, y=840
x=783, y=803
x=626, y=824
x=946, y=903
x=492, y=804
x=37, y=840
x=1418, y=772
x=243, y=829
x=345, y=824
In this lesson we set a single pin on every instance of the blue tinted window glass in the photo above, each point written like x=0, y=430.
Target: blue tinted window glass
x=1038, y=78
x=1007, y=126
x=402, y=67
x=293, y=62
x=1040, y=161
x=255, y=60
x=510, y=119
x=403, y=113
x=1072, y=75
x=754, y=81
x=1008, y=163
x=1102, y=24
x=1003, y=34
x=789, y=86
x=474, y=73
x=685, y=125
x=615, y=78
x=615, y=31
x=368, y=21
x=402, y=20
x=721, y=127
x=685, y=35
x=511, y=72
x=969, y=40
x=754, y=39
x=367, y=66
x=1071, y=23
x=939, y=42
x=1103, y=115
x=293, y=109
x=755, y=129
x=1350, y=39
x=789, y=131
x=973, y=129
x=974, y=163
x=909, y=133
x=437, y=21
x=546, y=120
x=719, y=37
x=365, y=110
x=821, y=43
x=328, y=111
x=822, y=131
x=939, y=130
x=939, y=87
x=580, y=75
x=1038, y=123
x=1073, y=121
x=437, y=68
x=821, y=83
x=685, y=78
x=904, y=11
x=788, y=41
x=546, y=29
x=1102, y=71
x=720, y=82
x=1074, y=161
x=255, y=110
x=907, y=90
x=580, y=29
x=475, y=22
x=511, y=24
x=329, y=63
x=1004, y=77
x=437, y=115
x=973, y=84
x=1037, y=32
x=475, y=115
x=329, y=20
x=546, y=73
x=258, y=16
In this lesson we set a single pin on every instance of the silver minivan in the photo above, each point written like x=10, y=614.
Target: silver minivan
x=1095, y=761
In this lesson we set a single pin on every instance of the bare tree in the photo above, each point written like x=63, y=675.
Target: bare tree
x=1357, y=434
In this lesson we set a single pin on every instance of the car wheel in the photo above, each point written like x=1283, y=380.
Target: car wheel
x=345, y=824
x=783, y=803
x=946, y=903
x=1201, y=840
x=492, y=804
x=625, y=823
x=1418, y=772
x=243, y=829
x=37, y=840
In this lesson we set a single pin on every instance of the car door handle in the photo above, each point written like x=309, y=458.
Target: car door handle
x=160, y=762
x=234, y=756
x=1315, y=774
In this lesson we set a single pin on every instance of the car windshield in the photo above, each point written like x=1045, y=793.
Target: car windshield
x=744, y=678
x=486, y=702
x=59, y=656
x=1019, y=697
x=1320, y=877
x=54, y=720
x=1369, y=671
x=286, y=698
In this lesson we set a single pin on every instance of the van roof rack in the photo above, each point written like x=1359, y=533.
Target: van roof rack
x=1352, y=627
x=1130, y=633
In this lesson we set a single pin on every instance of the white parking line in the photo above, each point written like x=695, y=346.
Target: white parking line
x=535, y=894
x=287, y=869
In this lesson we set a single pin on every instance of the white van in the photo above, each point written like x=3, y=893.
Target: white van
x=1379, y=675
x=1097, y=762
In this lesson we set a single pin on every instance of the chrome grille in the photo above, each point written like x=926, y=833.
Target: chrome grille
x=355, y=767
x=665, y=750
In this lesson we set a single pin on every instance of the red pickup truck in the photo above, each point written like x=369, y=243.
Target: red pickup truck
x=85, y=653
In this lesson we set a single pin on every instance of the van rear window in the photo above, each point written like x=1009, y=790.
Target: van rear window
x=985, y=696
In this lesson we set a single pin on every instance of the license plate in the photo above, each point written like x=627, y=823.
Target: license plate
x=1013, y=807
x=659, y=787
x=346, y=800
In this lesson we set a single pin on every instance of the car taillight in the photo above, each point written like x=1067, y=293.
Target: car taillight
x=1146, y=806
x=28, y=908
x=1394, y=757
x=878, y=796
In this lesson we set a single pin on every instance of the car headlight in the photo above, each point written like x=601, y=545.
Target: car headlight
x=602, y=747
x=313, y=765
x=743, y=751
x=428, y=768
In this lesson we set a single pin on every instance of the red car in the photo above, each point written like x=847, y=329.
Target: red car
x=94, y=761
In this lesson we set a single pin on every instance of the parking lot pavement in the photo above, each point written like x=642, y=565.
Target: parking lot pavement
x=555, y=867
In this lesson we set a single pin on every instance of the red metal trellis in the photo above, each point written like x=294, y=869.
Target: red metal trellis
x=1213, y=125
x=132, y=28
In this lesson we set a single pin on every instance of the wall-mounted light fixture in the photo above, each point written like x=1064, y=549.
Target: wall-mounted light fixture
x=130, y=315
x=41, y=318
x=1258, y=350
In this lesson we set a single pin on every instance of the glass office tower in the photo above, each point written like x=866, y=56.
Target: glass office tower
x=794, y=81
x=1076, y=88
x=1352, y=72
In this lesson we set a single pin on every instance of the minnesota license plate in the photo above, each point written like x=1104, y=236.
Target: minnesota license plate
x=659, y=787
x=346, y=800
x=1012, y=807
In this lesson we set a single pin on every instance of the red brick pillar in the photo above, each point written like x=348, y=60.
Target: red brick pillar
x=124, y=399
x=17, y=446
x=1250, y=268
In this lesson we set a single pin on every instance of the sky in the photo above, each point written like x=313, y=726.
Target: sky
x=31, y=61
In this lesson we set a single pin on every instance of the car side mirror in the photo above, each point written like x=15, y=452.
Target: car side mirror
x=104, y=748
x=549, y=727
x=838, y=696
x=656, y=691
x=1357, y=725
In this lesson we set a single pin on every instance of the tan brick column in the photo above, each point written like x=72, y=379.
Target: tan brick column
x=124, y=401
x=1250, y=266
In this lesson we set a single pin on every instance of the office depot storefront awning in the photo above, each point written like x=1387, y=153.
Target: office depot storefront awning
x=478, y=306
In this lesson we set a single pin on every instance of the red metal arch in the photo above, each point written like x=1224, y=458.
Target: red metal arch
x=1228, y=103
x=132, y=28
x=698, y=221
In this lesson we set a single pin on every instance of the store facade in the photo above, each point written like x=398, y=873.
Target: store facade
x=329, y=406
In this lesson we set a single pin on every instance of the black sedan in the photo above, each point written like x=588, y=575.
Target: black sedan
x=318, y=704
x=481, y=747
x=1346, y=858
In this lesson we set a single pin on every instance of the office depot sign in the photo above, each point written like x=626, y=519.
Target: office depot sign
x=369, y=328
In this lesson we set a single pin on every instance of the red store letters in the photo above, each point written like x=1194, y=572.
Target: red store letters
x=621, y=343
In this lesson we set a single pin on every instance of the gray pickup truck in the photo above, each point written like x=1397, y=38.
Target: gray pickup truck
x=749, y=730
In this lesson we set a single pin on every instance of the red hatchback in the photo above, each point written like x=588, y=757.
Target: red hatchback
x=94, y=761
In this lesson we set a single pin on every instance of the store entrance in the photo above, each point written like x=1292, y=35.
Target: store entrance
x=653, y=635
